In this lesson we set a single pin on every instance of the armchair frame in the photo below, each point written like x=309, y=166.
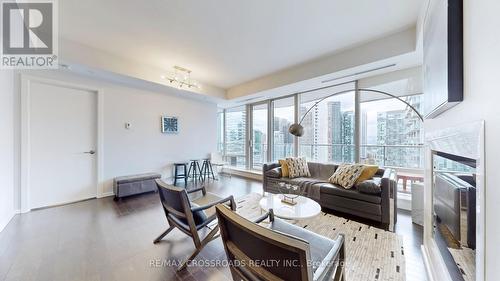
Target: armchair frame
x=282, y=240
x=191, y=229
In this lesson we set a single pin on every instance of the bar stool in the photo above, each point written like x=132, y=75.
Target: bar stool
x=206, y=169
x=184, y=174
x=194, y=169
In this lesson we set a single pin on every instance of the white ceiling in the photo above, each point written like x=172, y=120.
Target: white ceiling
x=228, y=42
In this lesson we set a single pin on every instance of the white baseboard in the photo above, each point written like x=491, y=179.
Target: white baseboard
x=6, y=220
x=106, y=194
x=256, y=175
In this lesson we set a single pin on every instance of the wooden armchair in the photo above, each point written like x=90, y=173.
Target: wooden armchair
x=188, y=216
x=282, y=251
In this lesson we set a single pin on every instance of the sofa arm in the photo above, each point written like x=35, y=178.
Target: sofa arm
x=388, y=185
x=266, y=167
x=269, y=166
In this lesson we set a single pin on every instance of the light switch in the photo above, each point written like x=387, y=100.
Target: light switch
x=128, y=125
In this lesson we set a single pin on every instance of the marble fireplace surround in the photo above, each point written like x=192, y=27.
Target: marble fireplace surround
x=466, y=140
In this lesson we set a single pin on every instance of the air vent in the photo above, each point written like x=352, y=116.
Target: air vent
x=359, y=73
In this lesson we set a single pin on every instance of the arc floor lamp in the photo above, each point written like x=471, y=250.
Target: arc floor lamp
x=296, y=129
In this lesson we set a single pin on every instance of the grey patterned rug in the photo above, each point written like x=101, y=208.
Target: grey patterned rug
x=371, y=253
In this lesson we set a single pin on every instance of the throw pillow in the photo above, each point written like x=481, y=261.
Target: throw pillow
x=284, y=168
x=297, y=167
x=199, y=216
x=368, y=172
x=346, y=175
x=369, y=187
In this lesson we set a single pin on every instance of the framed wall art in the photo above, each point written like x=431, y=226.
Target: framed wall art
x=169, y=125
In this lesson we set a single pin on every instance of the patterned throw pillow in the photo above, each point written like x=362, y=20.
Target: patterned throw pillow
x=297, y=167
x=346, y=175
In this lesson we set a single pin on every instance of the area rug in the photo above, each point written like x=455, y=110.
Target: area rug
x=371, y=253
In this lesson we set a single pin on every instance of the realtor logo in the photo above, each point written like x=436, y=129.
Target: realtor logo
x=29, y=34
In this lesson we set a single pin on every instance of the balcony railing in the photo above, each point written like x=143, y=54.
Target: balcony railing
x=402, y=156
x=399, y=156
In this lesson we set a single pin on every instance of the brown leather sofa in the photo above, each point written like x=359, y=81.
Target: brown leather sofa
x=375, y=207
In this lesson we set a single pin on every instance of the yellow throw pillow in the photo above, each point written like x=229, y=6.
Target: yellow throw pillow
x=284, y=168
x=368, y=172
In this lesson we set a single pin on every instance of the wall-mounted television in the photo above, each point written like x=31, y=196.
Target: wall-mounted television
x=443, y=56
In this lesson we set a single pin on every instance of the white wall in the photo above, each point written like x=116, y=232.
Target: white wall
x=6, y=147
x=143, y=148
x=482, y=101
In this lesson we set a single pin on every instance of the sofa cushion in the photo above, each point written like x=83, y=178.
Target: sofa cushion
x=369, y=187
x=284, y=168
x=135, y=178
x=352, y=206
x=346, y=175
x=328, y=188
x=297, y=167
x=321, y=170
x=274, y=173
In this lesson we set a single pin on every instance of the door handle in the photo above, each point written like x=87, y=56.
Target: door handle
x=90, y=152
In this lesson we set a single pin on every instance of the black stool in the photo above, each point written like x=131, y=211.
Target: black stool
x=206, y=169
x=180, y=176
x=194, y=170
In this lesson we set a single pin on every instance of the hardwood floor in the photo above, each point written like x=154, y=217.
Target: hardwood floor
x=100, y=239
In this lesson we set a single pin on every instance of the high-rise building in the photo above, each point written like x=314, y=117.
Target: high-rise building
x=309, y=141
x=400, y=127
x=348, y=136
x=283, y=140
x=236, y=137
x=363, y=151
x=334, y=131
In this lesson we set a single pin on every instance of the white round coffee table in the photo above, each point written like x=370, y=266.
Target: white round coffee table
x=304, y=209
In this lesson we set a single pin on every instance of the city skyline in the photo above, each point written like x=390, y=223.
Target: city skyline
x=331, y=139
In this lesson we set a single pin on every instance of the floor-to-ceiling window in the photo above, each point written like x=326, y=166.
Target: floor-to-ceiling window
x=329, y=128
x=391, y=133
x=283, y=117
x=220, y=131
x=235, y=136
x=259, y=135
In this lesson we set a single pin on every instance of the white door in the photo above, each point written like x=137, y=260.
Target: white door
x=62, y=138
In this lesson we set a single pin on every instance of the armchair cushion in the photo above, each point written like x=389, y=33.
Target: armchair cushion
x=319, y=245
x=199, y=216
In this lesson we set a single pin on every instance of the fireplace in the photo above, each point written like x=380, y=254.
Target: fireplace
x=454, y=199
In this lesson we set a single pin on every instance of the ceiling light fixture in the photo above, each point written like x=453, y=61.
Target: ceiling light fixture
x=181, y=78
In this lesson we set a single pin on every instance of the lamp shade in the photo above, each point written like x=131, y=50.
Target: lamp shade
x=296, y=130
